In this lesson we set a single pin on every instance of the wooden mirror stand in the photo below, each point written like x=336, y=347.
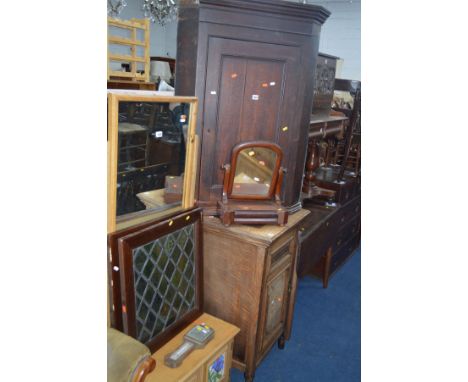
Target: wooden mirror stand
x=252, y=185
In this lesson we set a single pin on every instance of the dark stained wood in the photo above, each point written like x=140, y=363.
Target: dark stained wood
x=324, y=84
x=328, y=236
x=113, y=268
x=321, y=127
x=344, y=190
x=239, y=263
x=253, y=208
x=326, y=267
x=132, y=85
x=149, y=233
x=251, y=64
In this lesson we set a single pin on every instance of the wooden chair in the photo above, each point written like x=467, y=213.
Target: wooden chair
x=127, y=359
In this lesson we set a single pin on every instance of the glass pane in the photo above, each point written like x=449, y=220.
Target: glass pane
x=254, y=171
x=151, y=156
x=275, y=303
x=165, y=287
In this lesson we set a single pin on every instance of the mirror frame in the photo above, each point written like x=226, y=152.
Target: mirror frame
x=232, y=171
x=114, y=97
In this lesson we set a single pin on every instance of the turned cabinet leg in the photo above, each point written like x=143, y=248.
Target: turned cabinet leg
x=281, y=342
x=326, y=267
x=249, y=377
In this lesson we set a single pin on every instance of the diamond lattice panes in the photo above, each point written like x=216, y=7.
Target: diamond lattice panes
x=164, y=274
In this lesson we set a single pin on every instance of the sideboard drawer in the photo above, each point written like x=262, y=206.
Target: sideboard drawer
x=343, y=254
x=349, y=211
x=347, y=232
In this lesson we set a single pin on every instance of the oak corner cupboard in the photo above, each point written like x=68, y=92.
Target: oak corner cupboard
x=251, y=63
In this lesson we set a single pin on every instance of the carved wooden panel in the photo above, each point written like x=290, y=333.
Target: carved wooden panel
x=324, y=84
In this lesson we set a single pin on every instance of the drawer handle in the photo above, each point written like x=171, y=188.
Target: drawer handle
x=285, y=128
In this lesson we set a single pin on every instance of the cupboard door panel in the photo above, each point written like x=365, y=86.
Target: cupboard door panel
x=248, y=94
x=262, y=97
x=197, y=376
x=217, y=368
x=276, y=301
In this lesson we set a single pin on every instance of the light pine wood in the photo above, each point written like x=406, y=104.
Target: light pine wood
x=125, y=41
x=147, y=49
x=194, y=367
x=133, y=50
x=125, y=58
x=129, y=24
x=112, y=147
x=113, y=73
x=133, y=26
x=193, y=149
x=191, y=163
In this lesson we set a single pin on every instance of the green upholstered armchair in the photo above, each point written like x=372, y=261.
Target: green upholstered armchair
x=127, y=359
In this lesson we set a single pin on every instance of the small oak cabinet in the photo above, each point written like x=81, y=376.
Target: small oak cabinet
x=250, y=281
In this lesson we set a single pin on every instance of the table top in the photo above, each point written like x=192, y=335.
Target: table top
x=155, y=199
x=224, y=332
x=321, y=118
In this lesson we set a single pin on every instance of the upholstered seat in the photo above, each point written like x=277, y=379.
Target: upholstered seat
x=127, y=359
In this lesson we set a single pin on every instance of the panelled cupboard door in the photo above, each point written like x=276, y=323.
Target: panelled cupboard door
x=248, y=94
x=217, y=368
x=197, y=376
x=277, y=293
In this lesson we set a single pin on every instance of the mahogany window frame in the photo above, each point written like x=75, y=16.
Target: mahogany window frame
x=136, y=237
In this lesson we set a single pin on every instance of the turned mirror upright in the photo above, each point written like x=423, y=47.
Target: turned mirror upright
x=151, y=156
x=252, y=185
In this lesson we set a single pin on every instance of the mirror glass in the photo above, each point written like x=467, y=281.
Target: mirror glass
x=254, y=171
x=151, y=155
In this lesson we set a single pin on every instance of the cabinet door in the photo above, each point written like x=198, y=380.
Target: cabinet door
x=217, y=368
x=277, y=292
x=197, y=376
x=251, y=94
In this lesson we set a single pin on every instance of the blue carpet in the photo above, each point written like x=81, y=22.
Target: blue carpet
x=325, y=344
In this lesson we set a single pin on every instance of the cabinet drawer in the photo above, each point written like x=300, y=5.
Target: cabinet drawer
x=217, y=368
x=342, y=254
x=282, y=254
x=316, y=222
x=349, y=211
x=275, y=257
x=346, y=233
